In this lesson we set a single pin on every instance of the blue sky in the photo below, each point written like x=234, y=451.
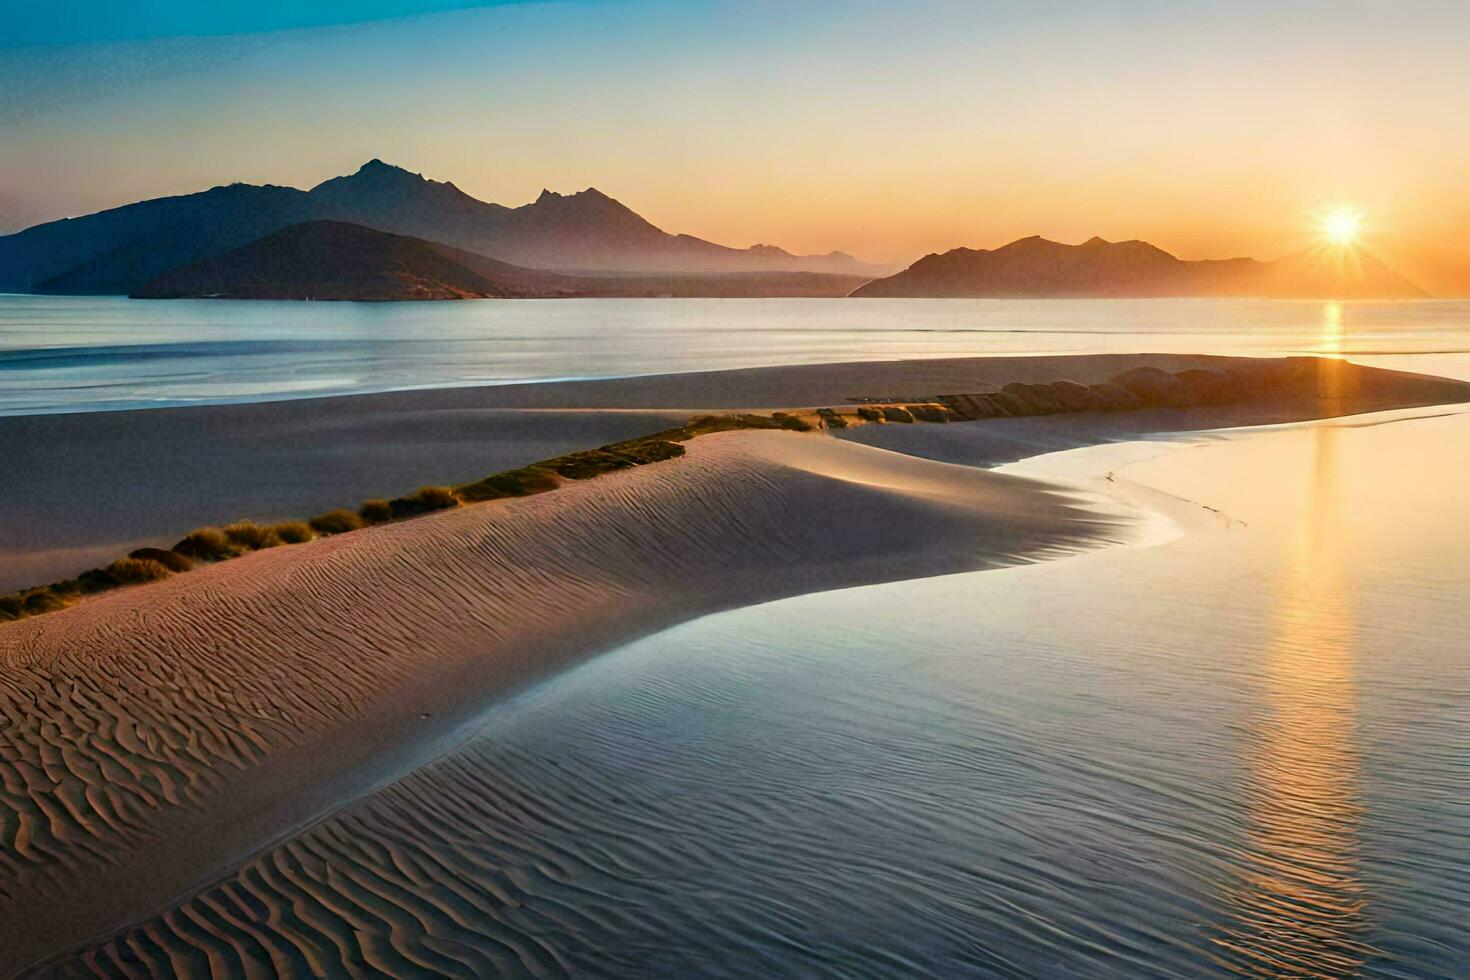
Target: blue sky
x=127, y=20
x=884, y=129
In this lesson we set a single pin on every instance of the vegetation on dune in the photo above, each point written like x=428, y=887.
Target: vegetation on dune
x=375, y=511
x=205, y=544
x=422, y=501
x=213, y=544
x=248, y=536
x=512, y=483
x=294, y=532
x=171, y=560
x=1138, y=388
x=123, y=571
x=336, y=522
x=58, y=595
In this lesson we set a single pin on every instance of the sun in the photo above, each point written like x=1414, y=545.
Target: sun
x=1342, y=226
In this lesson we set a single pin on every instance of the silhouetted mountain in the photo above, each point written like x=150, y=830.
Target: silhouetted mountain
x=1036, y=267
x=118, y=250
x=114, y=251
x=333, y=260
x=586, y=231
x=337, y=260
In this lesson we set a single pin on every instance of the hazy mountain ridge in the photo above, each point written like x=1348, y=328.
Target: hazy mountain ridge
x=334, y=260
x=120, y=249
x=1037, y=267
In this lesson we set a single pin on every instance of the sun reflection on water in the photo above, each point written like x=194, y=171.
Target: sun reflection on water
x=1332, y=329
x=1299, y=909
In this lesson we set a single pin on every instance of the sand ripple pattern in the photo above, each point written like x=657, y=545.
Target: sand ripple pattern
x=135, y=727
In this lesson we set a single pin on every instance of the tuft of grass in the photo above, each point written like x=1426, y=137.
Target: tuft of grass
x=617, y=456
x=523, y=482
x=437, y=497
x=171, y=560
x=338, y=521
x=206, y=544
x=704, y=424
x=59, y=595
x=249, y=536
x=375, y=511
x=42, y=600
x=424, y=500
x=294, y=532
x=124, y=571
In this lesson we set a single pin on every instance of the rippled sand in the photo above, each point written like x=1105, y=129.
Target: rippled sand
x=1245, y=760
x=158, y=734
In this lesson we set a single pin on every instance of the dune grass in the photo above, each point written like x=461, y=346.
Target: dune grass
x=336, y=522
x=294, y=532
x=1140, y=387
x=207, y=545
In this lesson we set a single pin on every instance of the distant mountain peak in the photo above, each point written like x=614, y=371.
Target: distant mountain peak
x=375, y=177
x=376, y=166
x=122, y=248
x=1035, y=267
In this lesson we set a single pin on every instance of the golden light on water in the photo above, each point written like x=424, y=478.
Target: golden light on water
x=1301, y=910
x=1342, y=227
x=1331, y=329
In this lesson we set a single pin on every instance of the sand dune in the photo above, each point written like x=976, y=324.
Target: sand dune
x=156, y=735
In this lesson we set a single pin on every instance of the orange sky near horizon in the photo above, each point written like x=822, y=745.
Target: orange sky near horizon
x=1209, y=131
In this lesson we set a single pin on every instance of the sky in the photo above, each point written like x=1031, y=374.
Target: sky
x=888, y=130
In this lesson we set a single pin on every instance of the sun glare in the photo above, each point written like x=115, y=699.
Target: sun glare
x=1342, y=227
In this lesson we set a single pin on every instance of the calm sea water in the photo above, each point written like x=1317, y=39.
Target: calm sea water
x=1245, y=752
x=1242, y=752
x=92, y=353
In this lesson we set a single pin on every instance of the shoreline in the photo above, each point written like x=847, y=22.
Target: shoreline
x=142, y=478
x=157, y=736
x=441, y=616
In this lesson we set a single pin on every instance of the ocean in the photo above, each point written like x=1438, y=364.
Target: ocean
x=76, y=354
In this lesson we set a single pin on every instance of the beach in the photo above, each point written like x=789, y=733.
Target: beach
x=132, y=479
x=159, y=736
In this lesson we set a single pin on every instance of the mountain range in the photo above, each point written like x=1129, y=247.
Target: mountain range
x=335, y=260
x=434, y=240
x=1036, y=267
x=119, y=250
